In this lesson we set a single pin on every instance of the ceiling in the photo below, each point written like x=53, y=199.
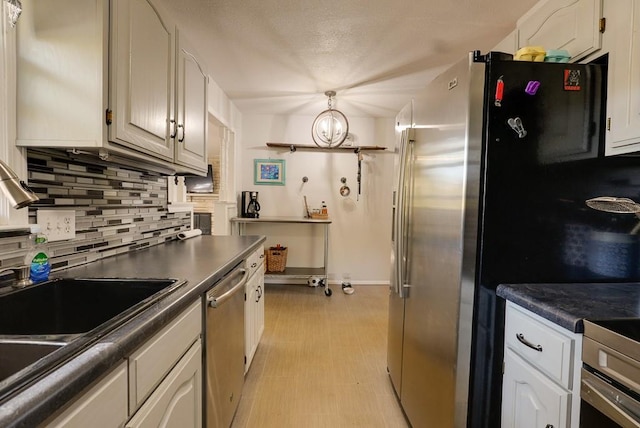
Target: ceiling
x=281, y=56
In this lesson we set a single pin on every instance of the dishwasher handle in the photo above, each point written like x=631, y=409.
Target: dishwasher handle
x=215, y=301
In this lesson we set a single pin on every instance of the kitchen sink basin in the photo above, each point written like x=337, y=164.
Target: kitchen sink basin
x=43, y=325
x=76, y=306
x=15, y=355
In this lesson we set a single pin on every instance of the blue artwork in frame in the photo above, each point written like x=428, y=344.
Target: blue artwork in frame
x=269, y=171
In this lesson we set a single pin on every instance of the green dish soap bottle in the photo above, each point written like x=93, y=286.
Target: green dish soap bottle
x=37, y=258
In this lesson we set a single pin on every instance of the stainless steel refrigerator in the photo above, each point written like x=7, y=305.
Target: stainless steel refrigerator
x=495, y=160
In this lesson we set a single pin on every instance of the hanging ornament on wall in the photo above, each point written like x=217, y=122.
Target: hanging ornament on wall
x=331, y=127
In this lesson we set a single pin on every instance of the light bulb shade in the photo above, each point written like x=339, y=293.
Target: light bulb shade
x=15, y=189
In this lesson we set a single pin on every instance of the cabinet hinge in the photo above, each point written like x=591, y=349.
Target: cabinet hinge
x=603, y=24
x=608, y=124
x=109, y=116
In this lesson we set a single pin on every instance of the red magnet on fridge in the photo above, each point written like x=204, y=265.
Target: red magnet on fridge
x=499, y=92
x=532, y=87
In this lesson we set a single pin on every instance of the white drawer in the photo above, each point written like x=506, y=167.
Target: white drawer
x=154, y=359
x=541, y=343
x=255, y=260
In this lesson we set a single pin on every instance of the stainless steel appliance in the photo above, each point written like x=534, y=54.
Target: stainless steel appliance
x=250, y=207
x=496, y=159
x=224, y=348
x=610, y=386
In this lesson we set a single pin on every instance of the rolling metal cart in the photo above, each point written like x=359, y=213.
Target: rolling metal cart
x=239, y=227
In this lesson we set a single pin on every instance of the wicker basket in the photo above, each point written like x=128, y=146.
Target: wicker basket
x=276, y=259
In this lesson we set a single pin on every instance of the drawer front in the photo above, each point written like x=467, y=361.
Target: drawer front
x=255, y=260
x=541, y=344
x=153, y=360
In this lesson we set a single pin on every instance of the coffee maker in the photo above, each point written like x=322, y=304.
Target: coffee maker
x=250, y=206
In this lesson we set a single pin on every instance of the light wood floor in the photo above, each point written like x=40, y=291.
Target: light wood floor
x=321, y=362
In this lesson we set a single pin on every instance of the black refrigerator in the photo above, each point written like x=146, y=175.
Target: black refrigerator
x=496, y=162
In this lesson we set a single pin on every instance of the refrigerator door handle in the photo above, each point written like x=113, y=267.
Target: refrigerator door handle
x=405, y=181
x=397, y=220
x=407, y=213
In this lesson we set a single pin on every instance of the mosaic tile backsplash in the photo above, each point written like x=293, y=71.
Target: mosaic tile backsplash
x=117, y=209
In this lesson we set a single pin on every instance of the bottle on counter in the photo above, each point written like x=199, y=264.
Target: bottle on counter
x=324, y=210
x=37, y=258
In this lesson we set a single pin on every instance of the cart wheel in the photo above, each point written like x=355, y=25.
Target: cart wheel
x=327, y=292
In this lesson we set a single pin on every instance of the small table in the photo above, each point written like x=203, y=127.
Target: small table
x=238, y=225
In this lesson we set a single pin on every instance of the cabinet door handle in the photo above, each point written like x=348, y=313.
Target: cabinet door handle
x=173, y=130
x=180, y=126
x=254, y=264
x=525, y=342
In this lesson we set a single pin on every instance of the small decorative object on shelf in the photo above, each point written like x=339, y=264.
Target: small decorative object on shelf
x=320, y=214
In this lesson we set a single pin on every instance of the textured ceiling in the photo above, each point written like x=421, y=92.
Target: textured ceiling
x=280, y=56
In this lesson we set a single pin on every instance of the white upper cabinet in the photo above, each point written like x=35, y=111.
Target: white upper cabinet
x=192, y=114
x=142, y=89
x=573, y=25
x=621, y=41
x=105, y=76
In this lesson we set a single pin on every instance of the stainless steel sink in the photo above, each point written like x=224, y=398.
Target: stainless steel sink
x=75, y=306
x=45, y=324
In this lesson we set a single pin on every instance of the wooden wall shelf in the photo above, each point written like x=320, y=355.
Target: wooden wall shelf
x=294, y=147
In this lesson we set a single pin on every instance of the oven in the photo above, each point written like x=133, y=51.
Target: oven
x=610, y=382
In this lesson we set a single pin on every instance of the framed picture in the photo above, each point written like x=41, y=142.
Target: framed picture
x=268, y=171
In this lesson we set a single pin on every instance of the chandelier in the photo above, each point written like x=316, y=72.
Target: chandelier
x=331, y=127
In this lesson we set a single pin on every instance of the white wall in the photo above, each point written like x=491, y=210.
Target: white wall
x=360, y=233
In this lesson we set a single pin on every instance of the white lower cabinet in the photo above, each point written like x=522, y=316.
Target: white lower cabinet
x=530, y=399
x=165, y=375
x=158, y=385
x=177, y=402
x=541, y=382
x=253, y=305
x=104, y=405
x=150, y=363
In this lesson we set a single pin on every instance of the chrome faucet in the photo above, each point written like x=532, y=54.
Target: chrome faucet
x=22, y=275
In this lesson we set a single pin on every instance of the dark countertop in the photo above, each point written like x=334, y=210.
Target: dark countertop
x=202, y=261
x=568, y=304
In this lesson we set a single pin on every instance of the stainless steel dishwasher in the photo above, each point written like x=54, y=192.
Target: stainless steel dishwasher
x=224, y=352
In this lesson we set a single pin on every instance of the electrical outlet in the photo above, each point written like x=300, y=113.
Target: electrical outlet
x=57, y=225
